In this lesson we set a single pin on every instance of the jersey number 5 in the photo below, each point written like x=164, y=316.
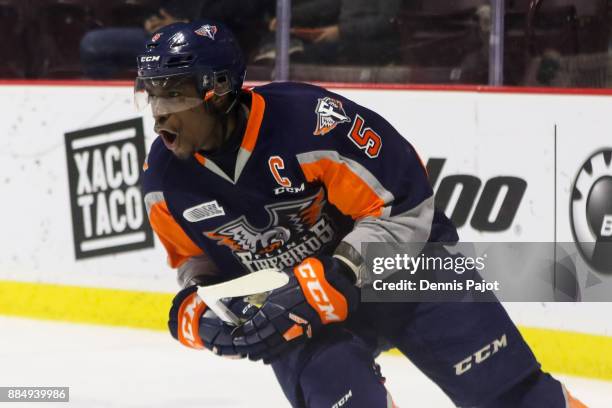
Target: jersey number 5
x=365, y=138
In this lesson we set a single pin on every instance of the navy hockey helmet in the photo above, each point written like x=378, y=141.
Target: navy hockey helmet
x=203, y=51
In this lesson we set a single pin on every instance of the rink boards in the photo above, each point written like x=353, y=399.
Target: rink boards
x=77, y=246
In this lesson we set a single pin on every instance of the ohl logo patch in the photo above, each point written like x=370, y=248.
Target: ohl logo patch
x=591, y=211
x=330, y=114
x=296, y=230
x=207, y=30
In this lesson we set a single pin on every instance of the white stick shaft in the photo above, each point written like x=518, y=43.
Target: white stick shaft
x=261, y=281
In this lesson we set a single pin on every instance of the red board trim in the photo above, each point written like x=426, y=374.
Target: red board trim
x=344, y=85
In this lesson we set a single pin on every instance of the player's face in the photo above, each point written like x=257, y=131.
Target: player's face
x=181, y=119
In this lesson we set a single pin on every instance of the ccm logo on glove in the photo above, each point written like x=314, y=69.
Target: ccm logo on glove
x=327, y=301
x=190, y=312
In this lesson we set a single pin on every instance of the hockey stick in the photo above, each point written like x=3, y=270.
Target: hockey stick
x=261, y=281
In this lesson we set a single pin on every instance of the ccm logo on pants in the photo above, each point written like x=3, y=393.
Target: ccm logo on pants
x=343, y=400
x=481, y=355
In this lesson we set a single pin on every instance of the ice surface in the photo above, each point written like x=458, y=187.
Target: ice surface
x=126, y=368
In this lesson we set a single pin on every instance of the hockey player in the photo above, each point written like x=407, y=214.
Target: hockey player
x=293, y=176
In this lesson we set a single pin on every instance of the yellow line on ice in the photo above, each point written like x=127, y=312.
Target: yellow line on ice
x=580, y=354
x=114, y=307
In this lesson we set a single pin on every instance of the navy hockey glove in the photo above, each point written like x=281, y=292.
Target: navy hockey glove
x=194, y=325
x=320, y=292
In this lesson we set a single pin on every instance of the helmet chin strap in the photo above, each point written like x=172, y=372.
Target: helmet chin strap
x=223, y=116
x=234, y=102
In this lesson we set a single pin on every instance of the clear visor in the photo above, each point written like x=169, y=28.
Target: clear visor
x=167, y=95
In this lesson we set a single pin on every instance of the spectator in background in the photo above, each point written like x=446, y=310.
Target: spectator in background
x=308, y=17
x=247, y=19
x=109, y=52
x=359, y=32
x=546, y=70
x=366, y=32
x=474, y=67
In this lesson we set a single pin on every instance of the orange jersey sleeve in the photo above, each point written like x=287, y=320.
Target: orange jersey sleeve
x=179, y=246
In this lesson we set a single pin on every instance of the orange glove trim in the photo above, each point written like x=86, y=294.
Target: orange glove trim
x=189, y=315
x=323, y=297
x=293, y=332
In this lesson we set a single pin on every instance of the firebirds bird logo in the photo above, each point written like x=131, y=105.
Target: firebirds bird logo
x=207, y=30
x=297, y=230
x=330, y=113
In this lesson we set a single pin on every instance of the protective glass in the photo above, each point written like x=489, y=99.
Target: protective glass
x=167, y=94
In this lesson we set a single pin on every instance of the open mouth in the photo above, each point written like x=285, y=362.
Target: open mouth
x=169, y=138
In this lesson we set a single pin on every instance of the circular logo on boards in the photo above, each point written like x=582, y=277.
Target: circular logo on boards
x=591, y=211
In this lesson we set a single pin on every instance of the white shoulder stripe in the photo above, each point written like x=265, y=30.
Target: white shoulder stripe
x=153, y=198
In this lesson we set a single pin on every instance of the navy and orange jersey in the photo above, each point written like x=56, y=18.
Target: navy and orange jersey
x=313, y=169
